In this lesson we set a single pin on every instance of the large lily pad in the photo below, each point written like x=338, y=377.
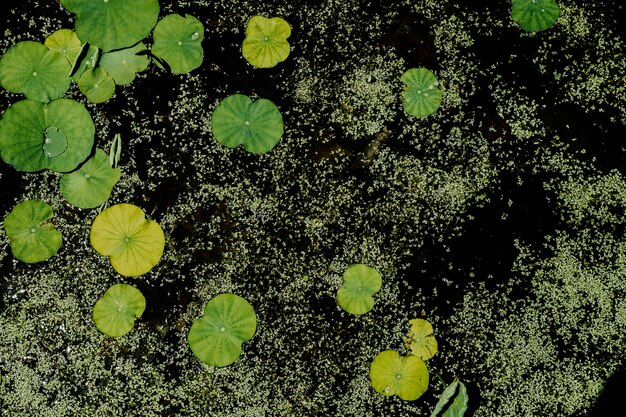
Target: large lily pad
x=238, y=120
x=113, y=24
x=35, y=136
x=360, y=283
x=535, y=15
x=64, y=42
x=124, y=64
x=177, y=40
x=133, y=244
x=97, y=85
x=421, y=339
x=32, y=235
x=266, y=42
x=34, y=70
x=404, y=376
x=116, y=311
x=91, y=184
x=421, y=95
x=216, y=337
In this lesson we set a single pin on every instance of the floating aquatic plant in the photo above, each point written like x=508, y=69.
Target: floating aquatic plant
x=133, y=244
x=535, y=15
x=34, y=70
x=421, y=95
x=87, y=58
x=421, y=339
x=64, y=42
x=114, y=314
x=113, y=24
x=32, y=235
x=266, y=42
x=404, y=376
x=177, y=40
x=258, y=125
x=97, y=85
x=217, y=336
x=360, y=283
x=124, y=64
x=458, y=407
x=56, y=136
x=91, y=184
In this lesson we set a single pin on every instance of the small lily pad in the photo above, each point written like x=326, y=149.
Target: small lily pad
x=91, y=184
x=535, y=15
x=64, y=42
x=116, y=311
x=113, y=24
x=421, y=339
x=34, y=70
x=133, y=244
x=33, y=237
x=360, y=283
x=177, y=40
x=421, y=95
x=124, y=64
x=404, y=376
x=97, y=85
x=35, y=136
x=258, y=125
x=216, y=337
x=459, y=404
x=266, y=42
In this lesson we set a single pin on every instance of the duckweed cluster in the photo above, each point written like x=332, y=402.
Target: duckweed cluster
x=538, y=334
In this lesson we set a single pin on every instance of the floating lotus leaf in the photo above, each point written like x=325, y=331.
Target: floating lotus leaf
x=97, y=85
x=459, y=404
x=35, y=136
x=116, y=311
x=177, y=40
x=84, y=61
x=216, y=337
x=33, y=237
x=113, y=24
x=360, y=283
x=535, y=15
x=266, y=43
x=238, y=120
x=124, y=64
x=421, y=340
x=91, y=184
x=421, y=96
x=404, y=376
x=31, y=68
x=64, y=42
x=133, y=244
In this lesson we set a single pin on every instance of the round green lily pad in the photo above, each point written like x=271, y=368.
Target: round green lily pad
x=421, y=96
x=35, y=136
x=124, y=64
x=535, y=15
x=360, y=283
x=216, y=337
x=116, y=311
x=91, y=184
x=421, y=339
x=113, y=24
x=33, y=237
x=31, y=68
x=97, y=85
x=133, y=244
x=404, y=376
x=64, y=42
x=177, y=40
x=258, y=125
x=266, y=43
